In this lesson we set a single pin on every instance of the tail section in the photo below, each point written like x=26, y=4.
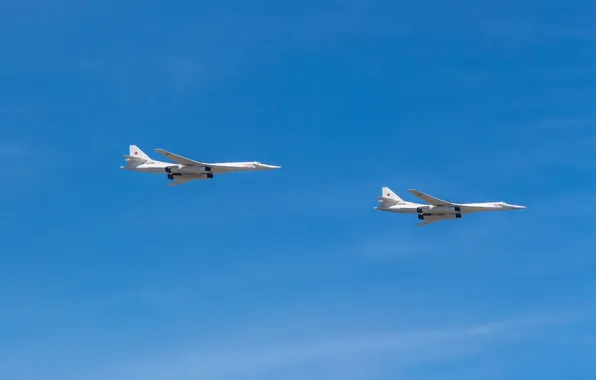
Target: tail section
x=135, y=152
x=389, y=195
x=135, y=158
x=388, y=198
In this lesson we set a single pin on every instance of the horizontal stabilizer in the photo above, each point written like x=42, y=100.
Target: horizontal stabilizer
x=133, y=158
x=387, y=200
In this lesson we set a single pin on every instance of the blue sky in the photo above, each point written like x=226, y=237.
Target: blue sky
x=106, y=274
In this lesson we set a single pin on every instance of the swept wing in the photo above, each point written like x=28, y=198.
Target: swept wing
x=426, y=222
x=183, y=160
x=183, y=179
x=430, y=199
x=180, y=181
x=437, y=218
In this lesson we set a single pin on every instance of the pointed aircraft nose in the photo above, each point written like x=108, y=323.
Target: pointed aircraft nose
x=269, y=167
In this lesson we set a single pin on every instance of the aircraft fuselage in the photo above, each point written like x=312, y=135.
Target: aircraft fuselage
x=464, y=208
x=160, y=167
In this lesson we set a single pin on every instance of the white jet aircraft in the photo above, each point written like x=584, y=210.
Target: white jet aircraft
x=184, y=169
x=436, y=209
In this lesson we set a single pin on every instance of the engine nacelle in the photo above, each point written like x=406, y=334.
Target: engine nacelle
x=194, y=170
x=442, y=210
x=173, y=176
x=427, y=216
x=431, y=216
x=422, y=209
x=173, y=169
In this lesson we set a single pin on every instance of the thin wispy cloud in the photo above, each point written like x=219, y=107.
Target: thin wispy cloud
x=404, y=350
x=200, y=53
x=532, y=148
x=292, y=275
x=554, y=144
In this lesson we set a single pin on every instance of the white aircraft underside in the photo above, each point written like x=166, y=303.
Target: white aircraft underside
x=184, y=169
x=436, y=209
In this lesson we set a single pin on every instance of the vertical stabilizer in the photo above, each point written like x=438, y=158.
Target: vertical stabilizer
x=388, y=199
x=389, y=195
x=134, y=158
x=135, y=152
